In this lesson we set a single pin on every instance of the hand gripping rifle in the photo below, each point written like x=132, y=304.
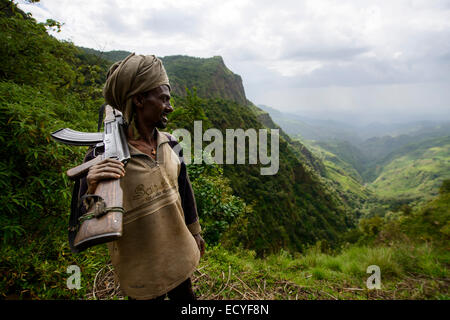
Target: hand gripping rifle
x=103, y=220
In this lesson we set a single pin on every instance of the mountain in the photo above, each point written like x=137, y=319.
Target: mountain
x=377, y=149
x=112, y=56
x=324, y=130
x=209, y=76
x=312, y=129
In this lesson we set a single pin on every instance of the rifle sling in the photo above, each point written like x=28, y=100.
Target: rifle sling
x=99, y=207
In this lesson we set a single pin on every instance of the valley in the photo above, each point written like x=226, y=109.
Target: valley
x=345, y=197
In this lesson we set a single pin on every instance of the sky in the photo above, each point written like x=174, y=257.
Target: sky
x=348, y=60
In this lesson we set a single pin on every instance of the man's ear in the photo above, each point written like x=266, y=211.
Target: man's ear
x=138, y=100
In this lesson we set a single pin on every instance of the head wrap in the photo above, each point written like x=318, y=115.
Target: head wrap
x=134, y=74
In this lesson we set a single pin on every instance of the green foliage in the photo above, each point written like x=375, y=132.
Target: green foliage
x=31, y=173
x=36, y=192
x=429, y=223
x=217, y=207
x=39, y=79
x=29, y=55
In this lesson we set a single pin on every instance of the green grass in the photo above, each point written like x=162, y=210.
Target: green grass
x=335, y=274
x=417, y=272
x=407, y=272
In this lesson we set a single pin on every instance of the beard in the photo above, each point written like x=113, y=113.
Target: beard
x=162, y=124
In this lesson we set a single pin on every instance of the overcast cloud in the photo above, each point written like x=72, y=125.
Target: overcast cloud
x=370, y=60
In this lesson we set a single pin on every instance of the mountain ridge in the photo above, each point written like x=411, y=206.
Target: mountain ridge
x=214, y=81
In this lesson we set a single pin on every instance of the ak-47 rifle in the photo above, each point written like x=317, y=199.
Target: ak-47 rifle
x=103, y=220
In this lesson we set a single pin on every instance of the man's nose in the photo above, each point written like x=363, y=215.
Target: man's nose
x=169, y=107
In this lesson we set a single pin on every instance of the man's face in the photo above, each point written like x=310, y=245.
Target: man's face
x=156, y=107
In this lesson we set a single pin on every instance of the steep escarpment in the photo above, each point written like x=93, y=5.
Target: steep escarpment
x=210, y=77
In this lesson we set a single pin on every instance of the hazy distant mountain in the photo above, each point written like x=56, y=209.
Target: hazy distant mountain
x=325, y=130
x=312, y=129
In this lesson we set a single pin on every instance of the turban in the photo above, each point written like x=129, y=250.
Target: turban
x=134, y=74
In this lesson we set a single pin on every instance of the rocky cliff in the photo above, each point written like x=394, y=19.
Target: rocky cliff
x=210, y=77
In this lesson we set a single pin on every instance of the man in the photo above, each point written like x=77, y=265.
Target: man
x=161, y=243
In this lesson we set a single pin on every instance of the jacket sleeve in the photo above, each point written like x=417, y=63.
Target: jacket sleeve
x=186, y=192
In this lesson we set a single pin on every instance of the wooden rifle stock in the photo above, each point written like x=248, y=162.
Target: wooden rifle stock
x=108, y=226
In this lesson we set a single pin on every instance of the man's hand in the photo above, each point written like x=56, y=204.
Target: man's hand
x=200, y=243
x=105, y=169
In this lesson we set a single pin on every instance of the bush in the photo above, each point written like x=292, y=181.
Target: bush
x=36, y=192
x=217, y=207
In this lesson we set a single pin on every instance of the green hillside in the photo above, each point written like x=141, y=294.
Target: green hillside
x=293, y=234
x=110, y=56
x=415, y=171
x=349, y=154
x=397, y=165
x=342, y=176
x=210, y=77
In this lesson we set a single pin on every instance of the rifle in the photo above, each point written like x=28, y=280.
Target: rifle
x=103, y=220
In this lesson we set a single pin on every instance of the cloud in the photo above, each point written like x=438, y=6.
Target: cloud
x=324, y=53
x=288, y=46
